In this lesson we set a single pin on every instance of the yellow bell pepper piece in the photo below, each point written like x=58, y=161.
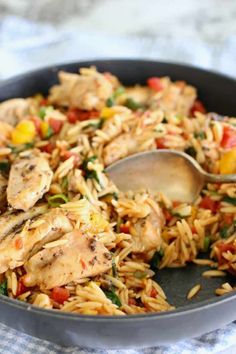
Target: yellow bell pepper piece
x=44, y=127
x=227, y=164
x=97, y=223
x=107, y=112
x=23, y=133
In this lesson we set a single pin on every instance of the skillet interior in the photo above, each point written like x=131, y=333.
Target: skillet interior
x=218, y=94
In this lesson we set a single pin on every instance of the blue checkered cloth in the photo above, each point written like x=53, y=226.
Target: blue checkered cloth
x=14, y=342
x=24, y=46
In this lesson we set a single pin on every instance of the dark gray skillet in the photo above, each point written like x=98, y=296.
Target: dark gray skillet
x=193, y=317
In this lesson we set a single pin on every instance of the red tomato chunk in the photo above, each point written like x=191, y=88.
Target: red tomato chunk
x=60, y=295
x=198, y=107
x=155, y=83
x=208, y=203
x=229, y=138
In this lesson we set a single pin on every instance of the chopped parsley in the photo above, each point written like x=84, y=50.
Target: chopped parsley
x=191, y=151
x=3, y=288
x=4, y=166
x=229, y=200
x=200, y=135
x=132, y=104
x=207, y=242
x=90, y=174
x=224, y=232
x=110, y=294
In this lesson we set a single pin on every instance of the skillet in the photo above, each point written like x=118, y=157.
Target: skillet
x=192, y=318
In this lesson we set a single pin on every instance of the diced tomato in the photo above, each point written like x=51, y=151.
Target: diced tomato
x=48, y=148
x=198, y=107
x=160, y=143
x=74, y=115
x=155, y=83
x=228, y=219
x=60, y=295
x=229, y=138
x=43, y=102
x=208, y=203
x=18, y=243
x=131, y=301
x=193, y=229
x=55, y=124
x=124, y=228
x=154, y=293
x=224, y=247
x=167, y=215
x=67, y=154
x=176, y=203
x=21, y=288
x=37, y=123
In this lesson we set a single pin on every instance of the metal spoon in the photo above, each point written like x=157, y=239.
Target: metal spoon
x=174, y=173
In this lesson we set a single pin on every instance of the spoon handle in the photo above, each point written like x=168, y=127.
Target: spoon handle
x=210, y=178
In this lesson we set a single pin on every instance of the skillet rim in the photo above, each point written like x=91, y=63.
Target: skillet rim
x=183, y=310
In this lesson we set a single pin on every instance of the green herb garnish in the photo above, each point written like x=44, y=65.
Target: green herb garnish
x=64, y=183
x=110, y=294
x=191, y=151
x=50, y=132
x=119, y=91
x=133, y=105
x=201, y=135
x=23, y=147
x=4, y=166
x=90, y=174
x=207, y=242
x=42, y=112
x=110, y=102
x=224, y=232
x=57, y=199
x=3, y=288
x=229, y=200
x=156, y=259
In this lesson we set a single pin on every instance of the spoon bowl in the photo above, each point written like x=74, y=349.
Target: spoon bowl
x=171, y=172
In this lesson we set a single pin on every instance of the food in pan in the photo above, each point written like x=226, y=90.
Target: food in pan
x=69, y=239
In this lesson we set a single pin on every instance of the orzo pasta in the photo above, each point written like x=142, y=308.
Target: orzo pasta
x=69, y=239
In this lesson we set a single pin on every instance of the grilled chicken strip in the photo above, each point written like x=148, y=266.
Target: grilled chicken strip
x=9, y=221
x=29, y=179
x=11, y=111
x=147, y=232
x=77, y=257
x=17, y=247
x=5, y=133
x=124, y=145
x=3, y=187
x=88, y=91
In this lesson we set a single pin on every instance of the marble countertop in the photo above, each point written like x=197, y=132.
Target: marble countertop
x=212, y=21
x=202, y=33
